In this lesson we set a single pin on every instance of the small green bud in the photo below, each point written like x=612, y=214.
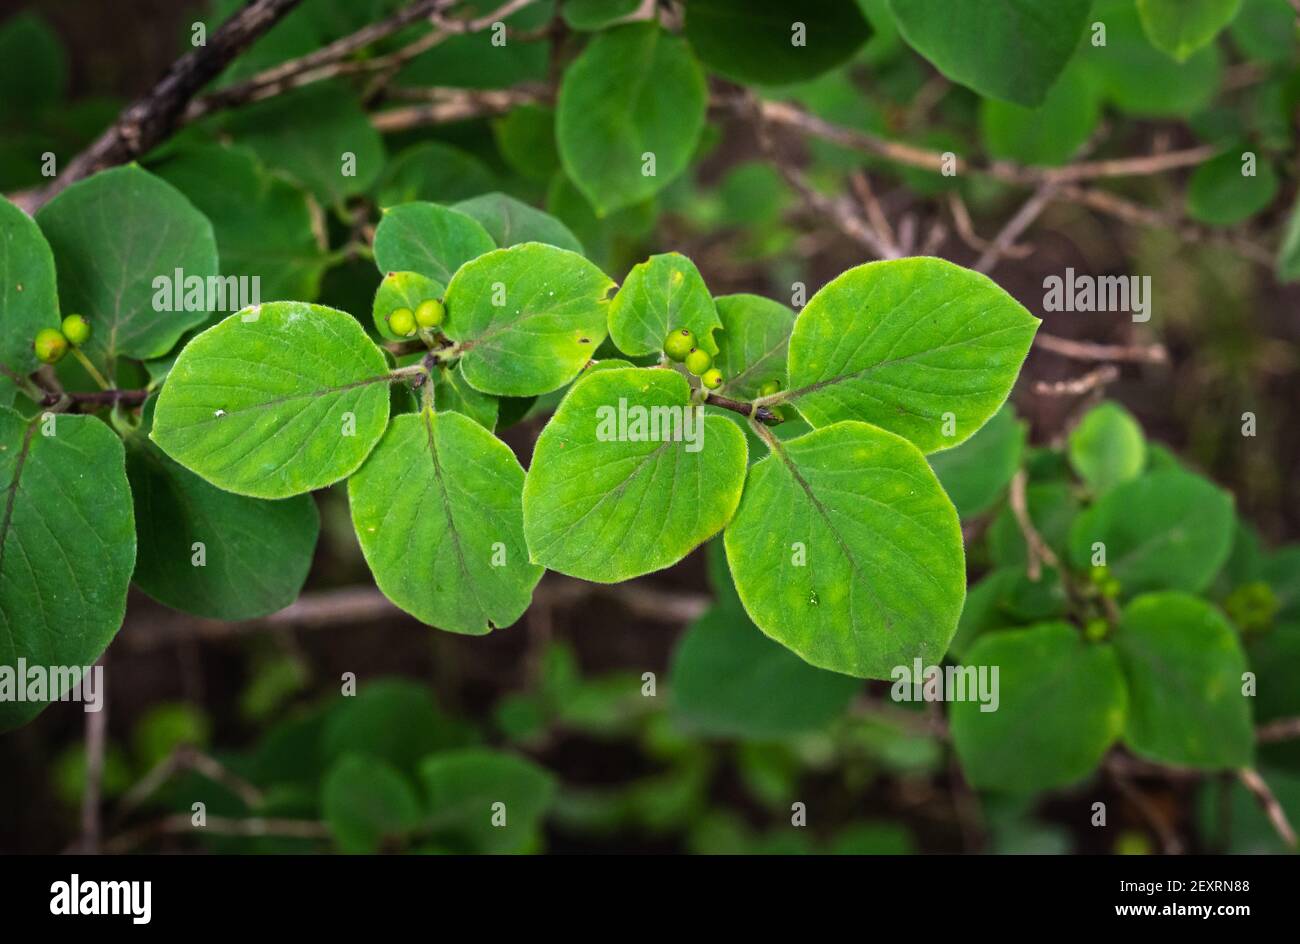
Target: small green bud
x=712, y=378
x=679, y=343
x=770, y=389
x=50, y=345
x=76, y=329
x=697, y=361
x=1096, y=630
x=430, y=313
x=402, y=322
x=1252, y=607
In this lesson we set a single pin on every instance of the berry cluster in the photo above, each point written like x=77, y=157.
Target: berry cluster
x=680, y=346
x=52, y=343
x=428, y=314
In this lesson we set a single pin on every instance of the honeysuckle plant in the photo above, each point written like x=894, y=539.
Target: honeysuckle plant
x=810, y=450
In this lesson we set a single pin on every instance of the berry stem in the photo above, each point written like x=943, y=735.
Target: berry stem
x=91, y=369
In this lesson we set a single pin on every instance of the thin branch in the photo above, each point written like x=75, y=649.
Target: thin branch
x=96, y=744
x=744, y=408
x=180, y=823
x=1078, y=386
x=1091, y=351
x=454, y=105
x=1039, y=552
x=1283, y=729
x=1019, y=222
x=1253, y=782
x=151, y=119
x=966, y=229
x=186, y=757
x=1169, y=842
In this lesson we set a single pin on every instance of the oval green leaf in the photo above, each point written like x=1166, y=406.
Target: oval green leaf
x=437, y=510
x=753, y=343
x=846, y=550
x=660, y=295
x=67, y=546
x=636, y=94
x=429, y=239
x=527, y=318
x=1060, y=706
x=28, y=296
x=976, y=472
x=275, y=401
x=1107, y=447
x=611, y=494
x=920, y=347
x=510, y=222
x=120, y=239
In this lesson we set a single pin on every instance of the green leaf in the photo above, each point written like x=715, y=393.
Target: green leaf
x=592, y=15
x=33, y=65
x=1061, y=705
x=753, y=343
x=660, y=295
x=1265, y=31
x=290, y=400
x=113, y=235
x=255, y=554
x=394, y=720
x=634, y=91
x=846, y=550
x=1166, y=530
x=319, y=135
x=604, y=506
x=729, y=680
x=1012, y=49
x=364, y=802
x=1184, y=669
x=755, y=41
x=67, y=546
x=920, y=347
x=1288, y=253
x=525, y=136
x=437, y=511
x=1050, y=134
x=1181, y=27
x=28, y=297
x=401, y=290
x=451, y=391
x=1141, y=80
x=433, y=171
x=527, y=318
x=1220, y=192
x=510, y=222
x=1107, y=447
x=429, y=239
x=976, y=472
x=467, y=789
x=263, y=224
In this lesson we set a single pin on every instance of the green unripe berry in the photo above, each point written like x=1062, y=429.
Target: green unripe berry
x=402, y=322
x=679, y=343
x=430, y=313
x=770, y=389
x=712, y=378
x=50, y=345
x=76, y=329
x=1110, y=588
x=1096, y=630
x=697, y=361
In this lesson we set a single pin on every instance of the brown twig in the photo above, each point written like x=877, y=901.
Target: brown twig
x=451, y=105
x=1078, y=386
x=1283, y=729
x=744, y=408
x=179, y=823
x=1092, y=351
x=1170, y=844
x=186, y=757
x=1253, y=782
x=1019, y=222
x=96, y=745
x=151, y=119
x=966, y=229
x=1038, y=550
